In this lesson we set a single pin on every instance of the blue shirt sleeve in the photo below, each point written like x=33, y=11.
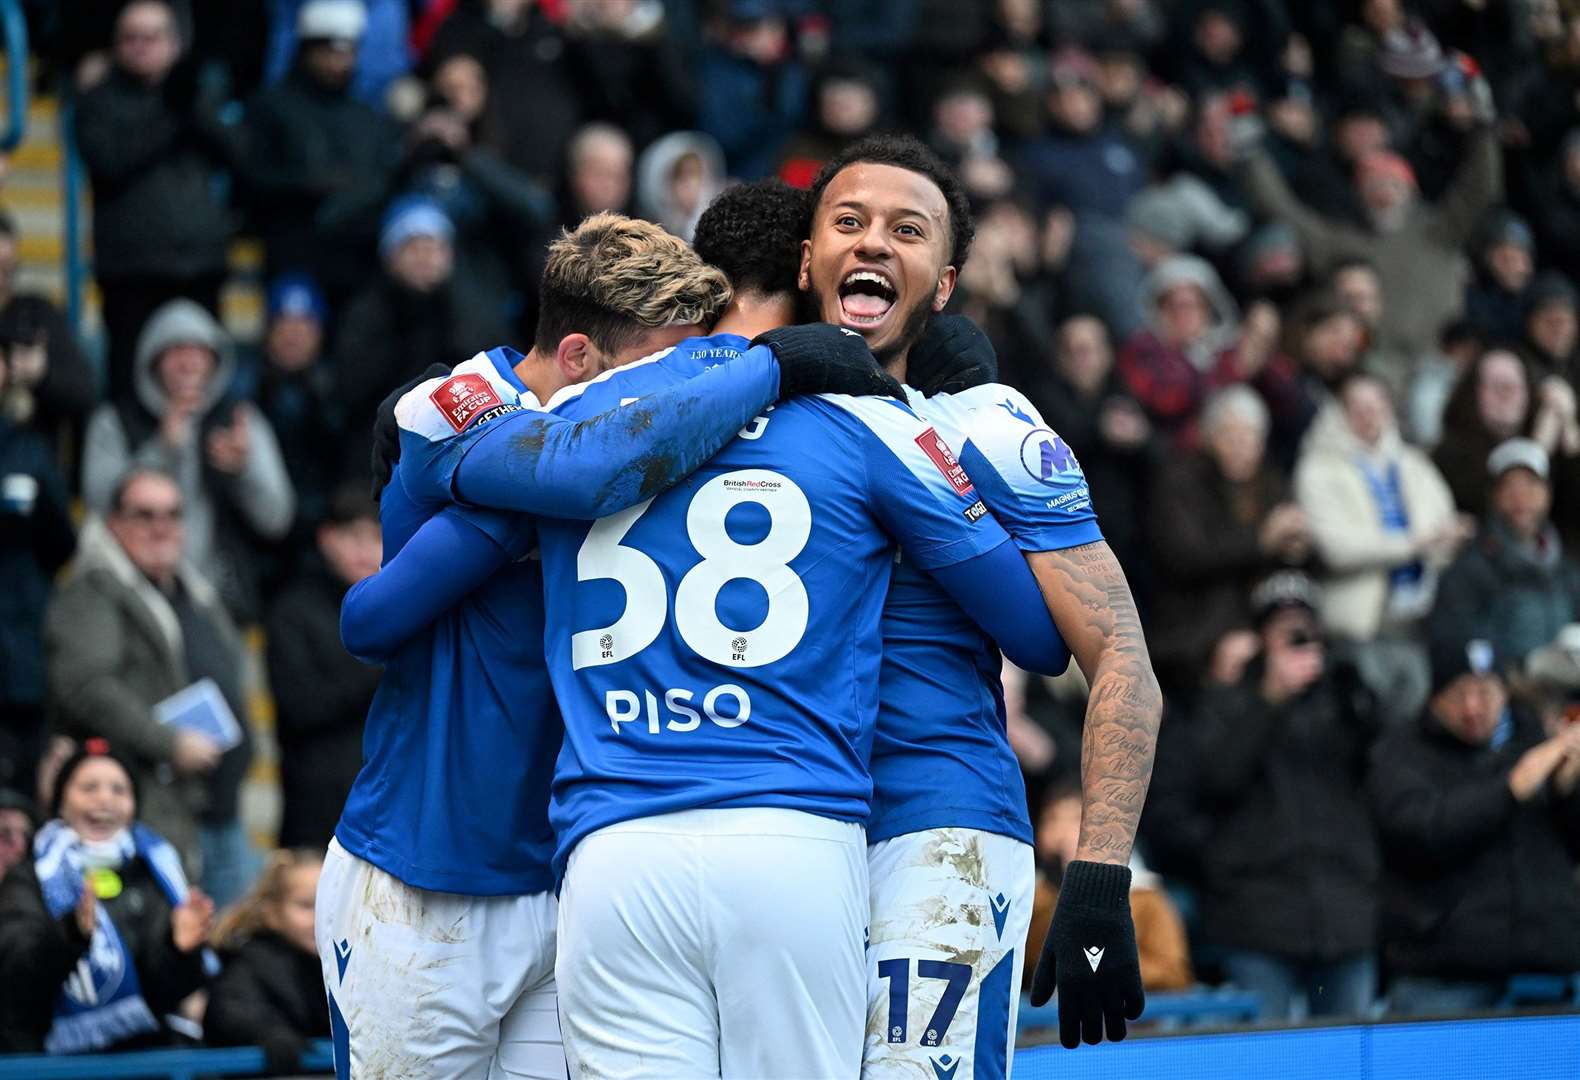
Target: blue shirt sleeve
x=527, y=460
x=448, y=557
x=1001, y=595
x=1028, y=476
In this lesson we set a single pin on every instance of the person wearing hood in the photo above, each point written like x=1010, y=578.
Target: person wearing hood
x=411, y=315
x=1170, y=365
x=1384, y=525
x=133, y=624
x=1505, y=261
x=1549, y=326
x=1514, y=585
x=152, y=144
x=235, y=487
x=101, y=937
x=1478, y=817
x=676, y=178
x=320, y=162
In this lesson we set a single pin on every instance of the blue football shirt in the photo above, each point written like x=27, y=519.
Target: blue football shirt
x=719, y=645
x=941, y=757
x=463, y=731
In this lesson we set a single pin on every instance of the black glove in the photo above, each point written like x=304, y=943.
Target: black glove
x=953, y=354
x=1090, y=954
x=386, y=432
x=818, y=358
x=282, y=1051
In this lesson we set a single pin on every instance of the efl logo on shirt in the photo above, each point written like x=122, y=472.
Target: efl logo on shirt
x=938, y=450
x=461, y=399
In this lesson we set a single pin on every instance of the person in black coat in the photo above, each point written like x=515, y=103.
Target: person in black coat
x=298, y=393
x=1480, y=827
x=97, y=972
x=36, y=540
x=152, y=142
x=411, y=315
x=1291, y=869
x=321, y=692
x=319, y=168
x=46, y=360
x=271, y=991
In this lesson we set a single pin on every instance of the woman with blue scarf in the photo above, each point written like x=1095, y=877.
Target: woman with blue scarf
x=100, y=936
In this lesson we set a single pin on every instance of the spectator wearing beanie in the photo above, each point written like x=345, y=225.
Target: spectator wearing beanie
x=1170, y=366
x=1478, y=819
x=1549, y=326
x=152, y=144
x=321, y=692
x=1384, y=526
x=1282, y=754
x=752, y=88
x=410, y=316
x=319, y=161
x=100, y=935
x=382, y=53
x=1505, y=259
x=298, y=395
x=1514, y=585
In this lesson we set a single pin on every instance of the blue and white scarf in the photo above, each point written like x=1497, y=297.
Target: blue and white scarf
x=101, y=1002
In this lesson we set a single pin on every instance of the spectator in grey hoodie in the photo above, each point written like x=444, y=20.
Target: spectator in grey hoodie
x=223, y=452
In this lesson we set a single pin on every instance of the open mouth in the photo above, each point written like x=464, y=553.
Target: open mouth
x=866, y=297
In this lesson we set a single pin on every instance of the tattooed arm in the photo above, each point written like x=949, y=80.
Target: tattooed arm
x=1085, y=590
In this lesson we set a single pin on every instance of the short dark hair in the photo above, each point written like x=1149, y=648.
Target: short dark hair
x=753, y=233
x=909, y=153
x=350, y=503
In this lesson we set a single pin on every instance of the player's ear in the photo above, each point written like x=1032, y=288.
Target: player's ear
x=804, y=276
x=575, y=358
x=946, y=288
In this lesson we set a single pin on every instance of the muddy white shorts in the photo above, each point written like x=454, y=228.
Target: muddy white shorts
x=435, y=985
x=715, y=943
x=950, y=912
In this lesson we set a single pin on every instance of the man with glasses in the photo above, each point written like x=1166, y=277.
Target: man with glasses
x=133, y=625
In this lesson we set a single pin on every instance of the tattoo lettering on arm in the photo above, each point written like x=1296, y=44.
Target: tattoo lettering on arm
x=1087, y=595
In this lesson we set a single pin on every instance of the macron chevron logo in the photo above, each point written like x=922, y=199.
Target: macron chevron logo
x=1094, y=956
x=944, y=1067
x=342, y=956
x=1000, y=913
x=1016, y=411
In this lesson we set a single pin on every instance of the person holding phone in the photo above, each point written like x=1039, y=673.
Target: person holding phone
x=1291, y=872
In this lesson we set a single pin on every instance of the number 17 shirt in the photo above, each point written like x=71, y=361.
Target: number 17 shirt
x=719, y=646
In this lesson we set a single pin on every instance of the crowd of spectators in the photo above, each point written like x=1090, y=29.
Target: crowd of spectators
x=1297, y=283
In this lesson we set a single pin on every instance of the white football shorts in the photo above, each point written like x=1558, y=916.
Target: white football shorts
x=436, y=985
x=715, y=943
x=950, y=913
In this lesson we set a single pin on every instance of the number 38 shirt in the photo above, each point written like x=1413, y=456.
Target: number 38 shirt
x=719, y=646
